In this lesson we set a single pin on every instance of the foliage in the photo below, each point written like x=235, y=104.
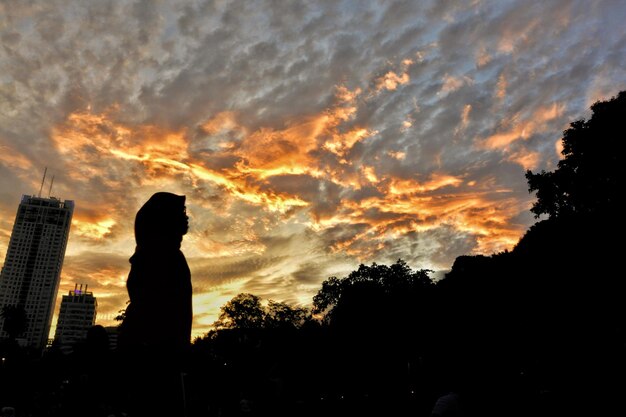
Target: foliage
x=246, y=311
x=591, y=174
x=243, y=311
x=282, y=315
x=552, y=308
x=121, y=314
x=380, y=282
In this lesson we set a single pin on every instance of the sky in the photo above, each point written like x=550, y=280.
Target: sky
x=308, y=136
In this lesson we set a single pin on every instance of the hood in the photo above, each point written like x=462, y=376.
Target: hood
x=161, y=222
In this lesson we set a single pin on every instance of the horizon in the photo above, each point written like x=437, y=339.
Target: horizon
x=307, y=139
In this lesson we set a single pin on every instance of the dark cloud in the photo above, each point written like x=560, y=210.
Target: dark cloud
x=310, y=273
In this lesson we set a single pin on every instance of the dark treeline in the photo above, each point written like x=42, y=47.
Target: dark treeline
x=535, y=331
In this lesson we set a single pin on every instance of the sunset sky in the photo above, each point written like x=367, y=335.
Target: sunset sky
x=307, y=136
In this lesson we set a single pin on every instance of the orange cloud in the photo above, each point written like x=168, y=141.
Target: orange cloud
x=464, y=118
x=452, y=83
x=269, y=152
x=370, y=173
x=547, y=113
x=344, y=95
x=397, y=155
x=482, y=57
x=501, y=87
x=274, y=201
x=523, y=129
x=391, y=80
x=341, y=143
x=465, y=115
x=10, y=157
x=301, y=147
x=87, y=131
x=514, y=35
x=527, y=159
x=95, y=230
x=475, y=213
x=84, y=133
x=503, y=139
x=224, y=121
x=407, y=206
x=437, y=181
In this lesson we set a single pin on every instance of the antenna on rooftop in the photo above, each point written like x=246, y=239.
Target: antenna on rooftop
x=50, y=189
x=45, y=171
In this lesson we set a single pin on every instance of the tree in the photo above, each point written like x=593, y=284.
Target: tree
x=328, y=296
x=243, y=311
x=15, y=320
x=282, y=315
x=376, y=321
x=591, y=174
x=554, y=305
x=121, y=314
x=246, y=311
x=368, y=286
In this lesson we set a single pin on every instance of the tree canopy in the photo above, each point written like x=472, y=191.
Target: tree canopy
x=590, y=176
x=362, y=290
x=552, y=308
x=282, y=315
x=246, y=311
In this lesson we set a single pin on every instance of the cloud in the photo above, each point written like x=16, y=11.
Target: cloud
x=104, y=274
x=391, y=80
x=452, y=83
x=307, y=137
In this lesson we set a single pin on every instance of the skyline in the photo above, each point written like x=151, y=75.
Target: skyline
x=307, y=137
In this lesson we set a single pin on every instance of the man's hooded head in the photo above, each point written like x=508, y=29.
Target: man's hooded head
x=161, y=220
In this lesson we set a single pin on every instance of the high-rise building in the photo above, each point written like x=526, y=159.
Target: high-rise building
x=78, y=313
x=32, y=266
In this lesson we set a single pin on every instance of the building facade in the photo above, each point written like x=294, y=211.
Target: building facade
x=32, y=266
x=78, y=313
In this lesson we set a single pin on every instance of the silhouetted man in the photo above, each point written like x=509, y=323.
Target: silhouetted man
x=157, y=328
